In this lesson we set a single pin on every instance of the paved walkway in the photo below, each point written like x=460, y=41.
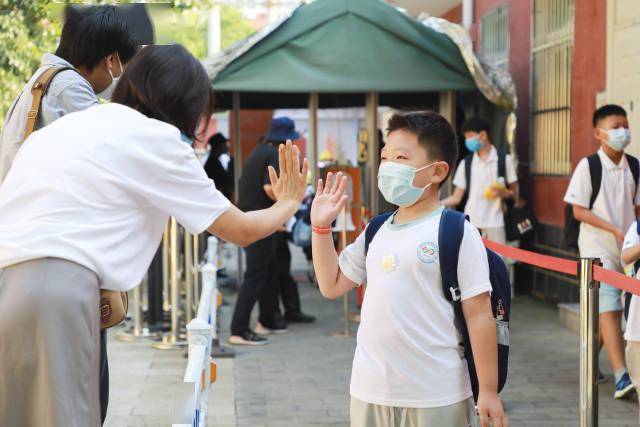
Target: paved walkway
x=301, y=378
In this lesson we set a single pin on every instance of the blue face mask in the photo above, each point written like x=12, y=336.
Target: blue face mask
x=473, y=144
x=619, y=138
x=395, y=182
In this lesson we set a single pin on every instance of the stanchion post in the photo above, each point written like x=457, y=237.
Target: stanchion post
x=137, y=331
x=165, y=269
x=589, y=344
x=196, y=269
x=172, y=340
x=189, y=267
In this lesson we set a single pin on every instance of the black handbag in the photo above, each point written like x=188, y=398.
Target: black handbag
x=519, y=222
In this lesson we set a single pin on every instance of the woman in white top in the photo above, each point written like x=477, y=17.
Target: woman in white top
x=84, y=207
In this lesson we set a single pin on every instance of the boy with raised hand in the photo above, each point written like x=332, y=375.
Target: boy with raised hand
x=605, y=213
x=408, y=368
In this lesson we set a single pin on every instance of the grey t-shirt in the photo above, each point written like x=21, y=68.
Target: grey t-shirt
x=68, y=92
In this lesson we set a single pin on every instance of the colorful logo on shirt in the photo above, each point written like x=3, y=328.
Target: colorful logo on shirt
x=428, y=252
x=389, y=263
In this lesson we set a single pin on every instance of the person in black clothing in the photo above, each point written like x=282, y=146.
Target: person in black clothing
x=219, y=165
x=264, y=266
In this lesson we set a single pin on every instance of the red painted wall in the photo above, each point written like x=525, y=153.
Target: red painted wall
x=253, y=124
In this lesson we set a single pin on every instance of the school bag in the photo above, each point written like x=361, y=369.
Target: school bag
x=519, y=221
x=571, y=224
x=636, y=268
x=450, y=236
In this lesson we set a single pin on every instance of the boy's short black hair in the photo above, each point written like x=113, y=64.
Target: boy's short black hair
x=606, y=111
x=167, y=83
x=91, y=33
x=477, y=125
x=433, y=131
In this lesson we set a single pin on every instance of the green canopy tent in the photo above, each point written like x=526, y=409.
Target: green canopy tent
x=337, y=53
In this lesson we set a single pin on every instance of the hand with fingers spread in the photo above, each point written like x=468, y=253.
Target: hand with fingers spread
x=329, y=200
x=490, y=408
x=291, y=184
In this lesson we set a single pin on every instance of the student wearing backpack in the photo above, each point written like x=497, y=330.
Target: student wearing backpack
x=604, y=199
x=408, y=367
x=483, y=180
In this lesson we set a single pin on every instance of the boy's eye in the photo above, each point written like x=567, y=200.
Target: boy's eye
x=401, y=158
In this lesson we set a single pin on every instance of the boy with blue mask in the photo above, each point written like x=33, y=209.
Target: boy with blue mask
x=605, y=213
x=479, y=189
x=407, y=369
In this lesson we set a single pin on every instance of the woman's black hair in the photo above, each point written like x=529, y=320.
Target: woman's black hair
x=167, y=83
x=92, y=33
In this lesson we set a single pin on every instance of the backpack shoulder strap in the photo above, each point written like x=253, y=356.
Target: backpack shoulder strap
x=38, y=91
x=634, y=166
x=373, y=227
x=467, y=171
x=502, y=164
x=595, y=171
x=450, y=235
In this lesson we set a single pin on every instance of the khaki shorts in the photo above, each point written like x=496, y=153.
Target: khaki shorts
x=461, y=414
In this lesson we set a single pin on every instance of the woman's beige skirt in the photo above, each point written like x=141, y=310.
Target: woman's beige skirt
x=49, y=345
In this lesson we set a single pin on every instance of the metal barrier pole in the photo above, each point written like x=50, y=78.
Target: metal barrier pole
x=218, y=351
x=589, y=344
x=196, y=269
x=137, y=331
x=171, y=341
x=189, y=267
x=165, y=269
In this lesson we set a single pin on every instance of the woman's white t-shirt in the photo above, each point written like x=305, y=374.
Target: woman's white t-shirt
x=408, y=352
x=97, y=188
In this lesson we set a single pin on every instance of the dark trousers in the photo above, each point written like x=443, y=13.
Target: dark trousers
x=104, y=376
x=260, y=266
x=281, y=285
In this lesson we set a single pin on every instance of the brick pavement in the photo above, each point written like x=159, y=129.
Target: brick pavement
x=301, y=378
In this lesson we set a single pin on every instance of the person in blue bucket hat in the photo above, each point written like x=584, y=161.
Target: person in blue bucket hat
x=268, y=260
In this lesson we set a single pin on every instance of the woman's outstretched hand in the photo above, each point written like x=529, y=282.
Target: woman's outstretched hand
x=329, y=200
x=291, y=184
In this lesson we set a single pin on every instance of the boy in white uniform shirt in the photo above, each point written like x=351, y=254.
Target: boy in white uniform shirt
x=630, y=255
x=601, y=229
x=483, y=197
x=407, y=368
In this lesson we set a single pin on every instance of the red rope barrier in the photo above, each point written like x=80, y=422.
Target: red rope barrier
x=616, y=279
x=547, y=262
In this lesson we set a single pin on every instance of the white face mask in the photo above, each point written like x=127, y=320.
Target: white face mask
x=106, y=94
x=395, y=182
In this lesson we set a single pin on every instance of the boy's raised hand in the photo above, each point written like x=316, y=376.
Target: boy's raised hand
x=329, y=200
x=490, y=408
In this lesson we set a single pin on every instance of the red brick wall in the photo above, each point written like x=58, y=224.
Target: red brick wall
x=454, y=14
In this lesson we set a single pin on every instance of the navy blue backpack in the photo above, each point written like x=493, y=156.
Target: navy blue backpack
x=449, y=240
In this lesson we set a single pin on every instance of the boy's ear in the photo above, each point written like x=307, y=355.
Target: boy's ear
x=441, y=172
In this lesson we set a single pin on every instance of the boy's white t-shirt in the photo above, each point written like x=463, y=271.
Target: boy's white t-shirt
x=615, y=204
x=408, y=352
x=484, y=213
x=97, y=188
x=632, y=332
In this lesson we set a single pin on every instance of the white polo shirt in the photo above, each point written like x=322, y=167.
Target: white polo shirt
x=484, y=213
x=632, y=332
x=407, y=352
x=97, y=187
x=615, y=204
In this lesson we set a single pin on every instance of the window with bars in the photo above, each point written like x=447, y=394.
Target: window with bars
x=551, y=86
x=494, y=36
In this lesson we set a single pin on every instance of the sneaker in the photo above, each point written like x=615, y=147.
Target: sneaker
x=300, y=317
x=624, y=387
x=247, y=338
x=278, y=328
